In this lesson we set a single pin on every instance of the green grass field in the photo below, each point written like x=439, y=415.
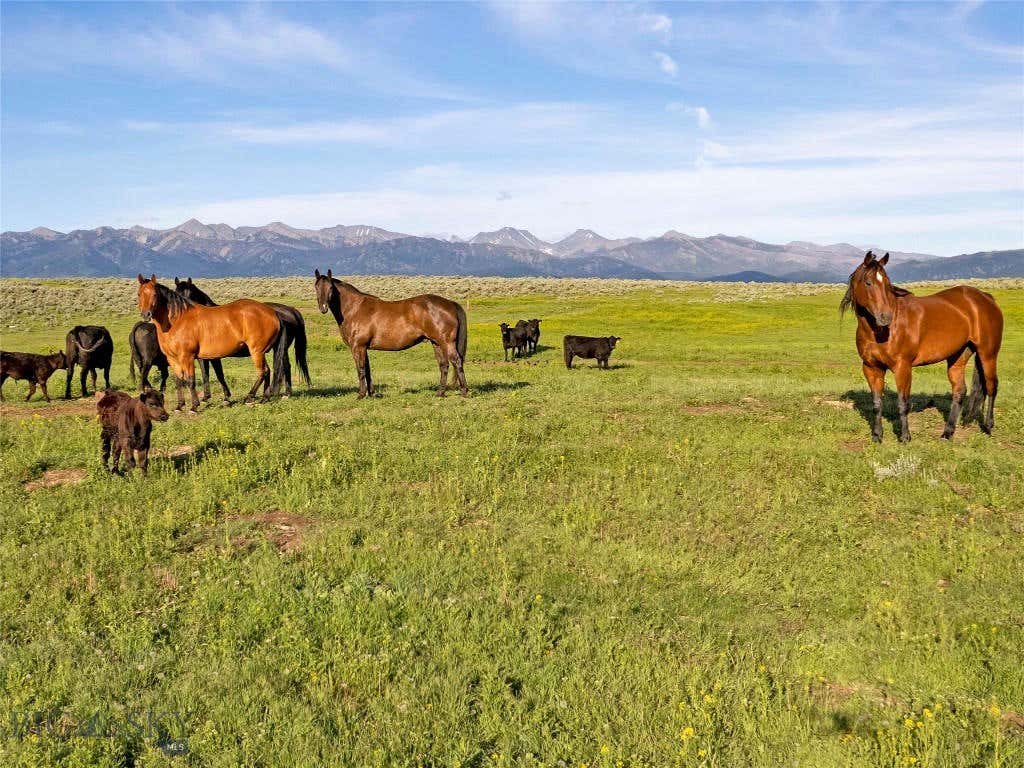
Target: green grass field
x=696, y=558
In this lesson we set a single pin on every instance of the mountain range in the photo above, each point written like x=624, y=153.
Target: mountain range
x=219, y=250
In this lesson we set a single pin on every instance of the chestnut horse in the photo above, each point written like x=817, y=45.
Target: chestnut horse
x=187, y=331
x=898, y=331
x=367, y=322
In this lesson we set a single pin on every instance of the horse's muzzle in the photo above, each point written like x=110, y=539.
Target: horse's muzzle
x=147, y=316
x=323, y=309
x=883, y=319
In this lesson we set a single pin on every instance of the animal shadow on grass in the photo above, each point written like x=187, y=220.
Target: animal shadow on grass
x=482, y=388
x=180, y=463
x=332, y=391
x=864, y=405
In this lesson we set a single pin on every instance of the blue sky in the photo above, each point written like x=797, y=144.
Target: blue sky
x=898, y=125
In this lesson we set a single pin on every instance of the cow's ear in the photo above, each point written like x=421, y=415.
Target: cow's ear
x=316, y=273
x=868, y=258
x=884, y=260
x=142, y=280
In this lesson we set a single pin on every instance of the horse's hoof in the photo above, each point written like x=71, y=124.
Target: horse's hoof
x=228, y=403
x=987, y=428
x=441, y=393
x=904, y=439
x=464, y=393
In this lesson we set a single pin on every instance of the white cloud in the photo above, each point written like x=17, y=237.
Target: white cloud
x=666, y=63
x=701, y=114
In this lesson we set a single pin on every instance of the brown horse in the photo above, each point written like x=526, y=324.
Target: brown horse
x=367, y=322
x=187, y=331
x=898, y=331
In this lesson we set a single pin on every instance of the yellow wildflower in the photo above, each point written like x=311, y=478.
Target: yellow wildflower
x=687, y=733
x=993, y=709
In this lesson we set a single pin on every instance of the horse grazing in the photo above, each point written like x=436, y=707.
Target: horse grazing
x=291, y=319
x=187, y=331
x=898, y=331
x=367, y=322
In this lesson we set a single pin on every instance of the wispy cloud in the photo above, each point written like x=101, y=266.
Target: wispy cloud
x=238, y=48
x=701, y=114
x=666, y=63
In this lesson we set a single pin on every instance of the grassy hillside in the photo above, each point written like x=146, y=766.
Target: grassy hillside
x=696, y=558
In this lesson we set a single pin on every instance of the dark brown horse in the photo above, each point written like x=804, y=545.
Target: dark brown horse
x=187, y=331
x=898, y=331
x=367, y=322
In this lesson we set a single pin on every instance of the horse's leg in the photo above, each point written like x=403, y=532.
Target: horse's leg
x=359, y=356
x=876, y=383
x=452, y=353
x=218, y=369
x=369, y=376
x=205, y=366
x=259, y=360
x=442, y=365
x=903, y=373
x=955, y=372
x=988, y=367
x=189, y=369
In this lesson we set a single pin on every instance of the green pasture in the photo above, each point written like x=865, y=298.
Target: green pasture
x=696, y=558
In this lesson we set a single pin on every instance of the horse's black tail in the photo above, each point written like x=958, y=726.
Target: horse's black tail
x=280, y=355
x=132, y=352
x=972, y=408
x=300, y=348
x=461, y=333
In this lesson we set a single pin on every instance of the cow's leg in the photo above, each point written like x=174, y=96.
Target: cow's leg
x=106, y=377
x=31, y=390
x=903, y=373
x=143, y=461
x=163, y=378
x=82, y=378
x=3, y=378
x=42, y=386
x=105, y=439
x=92, y=375
x=129, y=456
x=117, y=455
x=955, y=372
x=875, y=378
x=67, y=381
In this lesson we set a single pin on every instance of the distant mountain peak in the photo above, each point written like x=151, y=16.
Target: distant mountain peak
x=46, y=233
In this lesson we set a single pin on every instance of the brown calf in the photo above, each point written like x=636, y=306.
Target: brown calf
x=127, y=423
x=25, y=366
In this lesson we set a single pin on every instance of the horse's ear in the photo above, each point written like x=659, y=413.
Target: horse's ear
x=152, y=278
x=868, y=258
x=884, y=260
x=142, y=280
x=190, y=281
x=316, y=273
x=329, y=275
x=177, y=282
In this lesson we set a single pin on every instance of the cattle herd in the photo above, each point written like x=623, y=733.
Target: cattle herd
x=126, y=422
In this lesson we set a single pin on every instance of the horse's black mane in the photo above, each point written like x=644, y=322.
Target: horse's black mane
x=199, y=296
x=176, y=303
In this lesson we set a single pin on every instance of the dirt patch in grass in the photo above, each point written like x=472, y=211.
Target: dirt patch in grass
x=285, y=530
x=855, y=446
x=54, y=477
x=84, y=407
x=839, y=405
x=1014, y=720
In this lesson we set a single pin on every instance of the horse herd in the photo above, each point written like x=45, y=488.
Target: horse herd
x=896, y=331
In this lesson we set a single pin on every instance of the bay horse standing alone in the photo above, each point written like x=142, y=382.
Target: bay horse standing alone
x=367, y=322
x=898, y=331
x=187, y=331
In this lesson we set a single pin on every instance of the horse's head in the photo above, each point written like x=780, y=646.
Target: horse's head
x=191, y=291
x=871, y=290
x=149, y=296
x=326, y=290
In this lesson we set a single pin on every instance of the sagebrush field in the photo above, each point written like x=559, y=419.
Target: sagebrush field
x=695, y=558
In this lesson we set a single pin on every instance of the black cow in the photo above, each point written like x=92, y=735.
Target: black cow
x=144, y=351
x=126, y=424
x=91, y=347
x=533, y=333
x=25, y=366
x=514, y=338
x=589, y=347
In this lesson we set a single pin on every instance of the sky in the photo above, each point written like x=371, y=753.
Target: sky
x=893, y=124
